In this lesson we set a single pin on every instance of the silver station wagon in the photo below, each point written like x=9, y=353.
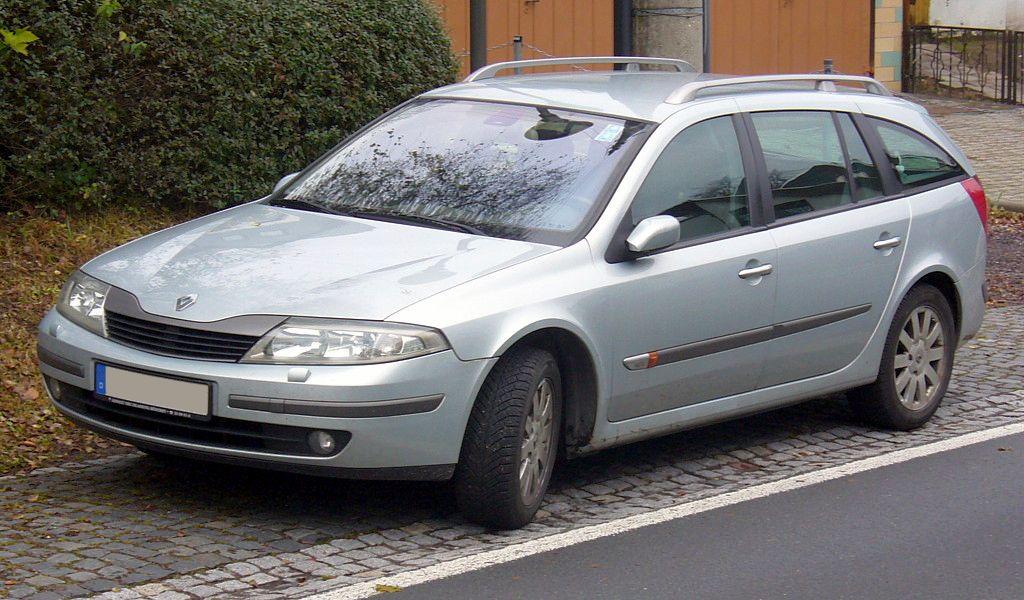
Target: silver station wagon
x=512, y=270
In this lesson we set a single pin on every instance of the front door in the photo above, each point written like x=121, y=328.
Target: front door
x=691, y=323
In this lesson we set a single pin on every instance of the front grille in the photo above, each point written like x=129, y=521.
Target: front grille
x=172, y=340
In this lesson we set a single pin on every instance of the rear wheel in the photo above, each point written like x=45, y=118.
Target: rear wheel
x=511, y=441
x=916, y=364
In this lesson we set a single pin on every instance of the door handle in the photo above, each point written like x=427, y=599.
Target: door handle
x=755, y=271
x=886, y=244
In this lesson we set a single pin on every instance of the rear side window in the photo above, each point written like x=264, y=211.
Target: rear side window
x=805, y=162
x=867, y=181
x=916, y=159
x=699, y=180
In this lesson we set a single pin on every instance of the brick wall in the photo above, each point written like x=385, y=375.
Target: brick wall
x=888, y=59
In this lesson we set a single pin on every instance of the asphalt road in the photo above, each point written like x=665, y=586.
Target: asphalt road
x=948, y=525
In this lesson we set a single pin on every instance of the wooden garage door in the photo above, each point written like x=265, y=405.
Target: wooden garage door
x=790, y=36
x=455, y=14
x=548, y=27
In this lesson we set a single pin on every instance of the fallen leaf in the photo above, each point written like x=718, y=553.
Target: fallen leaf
x=386, y=589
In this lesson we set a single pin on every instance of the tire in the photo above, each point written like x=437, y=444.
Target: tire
x=890, y=402
x=488, y=487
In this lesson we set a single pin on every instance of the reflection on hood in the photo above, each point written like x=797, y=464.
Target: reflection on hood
x=257, y=259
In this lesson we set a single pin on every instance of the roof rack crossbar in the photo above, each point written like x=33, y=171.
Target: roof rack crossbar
x=825, y=83
x=491, y=70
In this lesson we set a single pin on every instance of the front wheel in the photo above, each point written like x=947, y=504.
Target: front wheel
x=916, y=364
x=511, y=441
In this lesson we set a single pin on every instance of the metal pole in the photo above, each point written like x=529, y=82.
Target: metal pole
x=623, y=29
x=517, y=51
x=1014, y=71
x=477, y=34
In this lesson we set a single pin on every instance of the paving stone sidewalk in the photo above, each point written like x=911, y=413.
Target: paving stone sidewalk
x=992, y=136
x=134, y=526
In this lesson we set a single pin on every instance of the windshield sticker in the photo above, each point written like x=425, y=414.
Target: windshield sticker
x=507, y=155
x=610, y=133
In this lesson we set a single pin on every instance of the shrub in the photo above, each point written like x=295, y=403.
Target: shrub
x=196, y=103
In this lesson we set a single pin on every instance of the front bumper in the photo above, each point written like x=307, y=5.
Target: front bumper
x=435, y=393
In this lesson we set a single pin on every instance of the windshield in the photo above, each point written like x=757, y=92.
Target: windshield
x=519, y=172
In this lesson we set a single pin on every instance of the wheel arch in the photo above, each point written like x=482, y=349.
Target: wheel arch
x=943, y=280
x=578, y=366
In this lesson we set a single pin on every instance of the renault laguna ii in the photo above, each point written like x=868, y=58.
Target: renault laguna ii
x=512, y=270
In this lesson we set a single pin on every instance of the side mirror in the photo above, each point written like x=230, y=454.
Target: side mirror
x=284, y=181
x=653, y=233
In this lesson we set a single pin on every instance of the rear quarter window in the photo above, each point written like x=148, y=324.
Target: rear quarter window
x=917, y=160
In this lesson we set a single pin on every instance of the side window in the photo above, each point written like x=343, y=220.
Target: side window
x=916, y=159
x=806, y=167
x=699, y=180
x=866, y=178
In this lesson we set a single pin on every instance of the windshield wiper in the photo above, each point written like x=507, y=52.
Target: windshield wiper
x=299, y=204
x=391, y=217
x=420, y=220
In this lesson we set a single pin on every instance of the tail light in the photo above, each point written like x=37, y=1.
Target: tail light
x=977, y=194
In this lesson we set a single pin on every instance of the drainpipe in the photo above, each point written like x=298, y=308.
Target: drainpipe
x=477, y=34
x=706, y=42
x=623, y=29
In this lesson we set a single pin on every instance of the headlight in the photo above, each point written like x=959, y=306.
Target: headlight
x=82, y=299
x=335, y=342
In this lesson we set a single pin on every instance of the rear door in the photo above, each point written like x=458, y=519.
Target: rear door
x=691, y=323
x=840, y=241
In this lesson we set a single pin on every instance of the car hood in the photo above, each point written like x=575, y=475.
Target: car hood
x=260, y=259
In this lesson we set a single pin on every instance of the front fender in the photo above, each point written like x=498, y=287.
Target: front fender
x=513, y=332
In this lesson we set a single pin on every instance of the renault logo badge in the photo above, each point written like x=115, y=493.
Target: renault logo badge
x=185, y=302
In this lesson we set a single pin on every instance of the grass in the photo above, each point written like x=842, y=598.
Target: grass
x=37, y=253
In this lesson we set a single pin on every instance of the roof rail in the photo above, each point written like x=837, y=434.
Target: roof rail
x=825, y=83
x=634, y=63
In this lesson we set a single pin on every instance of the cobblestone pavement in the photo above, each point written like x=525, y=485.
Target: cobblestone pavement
x=135, y=526
x=992, y=136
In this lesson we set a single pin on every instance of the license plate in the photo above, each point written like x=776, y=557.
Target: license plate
x=150, y=392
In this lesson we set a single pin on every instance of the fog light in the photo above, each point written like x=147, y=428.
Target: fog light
x=322, y=442
x=53, y=386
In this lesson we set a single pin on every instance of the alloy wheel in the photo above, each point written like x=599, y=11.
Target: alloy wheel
x=920, y=357
x=535, y=453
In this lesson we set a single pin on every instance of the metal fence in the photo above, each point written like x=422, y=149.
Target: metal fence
x=965, y=62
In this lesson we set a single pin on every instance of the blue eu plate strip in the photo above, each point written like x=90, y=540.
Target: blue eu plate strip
x=101, y=379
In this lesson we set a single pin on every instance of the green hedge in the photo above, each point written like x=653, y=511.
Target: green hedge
x=197, y=103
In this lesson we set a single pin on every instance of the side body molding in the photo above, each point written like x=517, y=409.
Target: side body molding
x=666, y=356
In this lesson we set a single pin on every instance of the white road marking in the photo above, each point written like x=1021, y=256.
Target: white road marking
x=585, y=534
